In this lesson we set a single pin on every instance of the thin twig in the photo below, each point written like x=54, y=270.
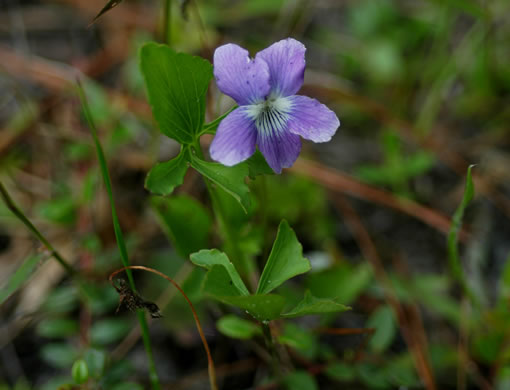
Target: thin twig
x=212, y=372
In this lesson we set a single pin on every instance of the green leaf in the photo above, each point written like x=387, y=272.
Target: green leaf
x=176, y=84
x=341, y=372
x=300, y=380
x=80, y=371
x=453, y=236
x=59, y=210
x=127, y=386
x=385, y=328
x=237, y=328
x=257, y=165
x=109, y=330
x=186, y=222
x=164, y=177
x=303, y=340
x=311, y=305
x=19, y=277
x=343, y=282
x=209, y=258
x=96, y=362
x=59, y=355
x=57, y=327
x=219, y=284
x=229, y=179
x=263, y=307
x=285, y=260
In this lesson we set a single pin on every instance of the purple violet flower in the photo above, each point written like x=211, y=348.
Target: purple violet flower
x=270, y=114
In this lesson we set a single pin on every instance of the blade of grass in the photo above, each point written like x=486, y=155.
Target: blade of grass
x=118, y=235
x=23, y=218
x=19, y=277
x=453, y=238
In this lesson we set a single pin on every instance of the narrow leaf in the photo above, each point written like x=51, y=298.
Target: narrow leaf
x=209, y=258
x=119, y=236
x=285, y=260
x=230, y=179
x=164, y=177
x=20, y=276
x=312, y=305
x=237, y=328
x=176, y=84
x=453, y=236
x=185, y=221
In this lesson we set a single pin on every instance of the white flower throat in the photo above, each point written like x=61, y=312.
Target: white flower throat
x=271, y=115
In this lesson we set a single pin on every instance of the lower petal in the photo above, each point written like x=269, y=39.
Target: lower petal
x=280, y=148
x=235, y=138
x=311, y=119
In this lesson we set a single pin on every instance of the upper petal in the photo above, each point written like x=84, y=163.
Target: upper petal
x=235, y=138
x=286, y=60
x=244, y=79
x=311, y=119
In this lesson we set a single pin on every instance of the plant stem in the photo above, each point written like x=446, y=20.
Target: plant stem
x=23, y=218
x=167, y=18
x=268, y=338
x=153, y=375
x=229, y=235
x=211, y=369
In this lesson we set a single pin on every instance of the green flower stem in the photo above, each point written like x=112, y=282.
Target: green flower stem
x=228, y=233
x=167, y=18
x=271, y=347
x=153, y=376
x=22, y=217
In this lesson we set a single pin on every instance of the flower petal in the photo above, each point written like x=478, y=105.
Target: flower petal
x=244, y=79
x=286, y=60
x=311, y=120
x=280, y=148
x=235, y=138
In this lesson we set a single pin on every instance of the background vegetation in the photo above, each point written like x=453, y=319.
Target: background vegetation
x=422, y=90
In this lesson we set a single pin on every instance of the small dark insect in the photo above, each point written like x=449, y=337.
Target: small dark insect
x=134, y=301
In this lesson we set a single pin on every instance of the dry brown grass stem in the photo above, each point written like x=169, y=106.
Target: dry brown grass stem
x=211, y=370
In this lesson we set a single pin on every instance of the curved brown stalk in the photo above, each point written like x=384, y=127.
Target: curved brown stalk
x=211, y=370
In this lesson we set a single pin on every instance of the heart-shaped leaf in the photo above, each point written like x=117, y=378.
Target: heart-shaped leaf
x=176, y=85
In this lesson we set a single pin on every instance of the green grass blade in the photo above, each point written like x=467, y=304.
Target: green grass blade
x=453, y=237
x=118, y=235
x=23, y=218
x=20, y=276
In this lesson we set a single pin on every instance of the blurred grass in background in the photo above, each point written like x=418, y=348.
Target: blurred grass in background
x=422, y=90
